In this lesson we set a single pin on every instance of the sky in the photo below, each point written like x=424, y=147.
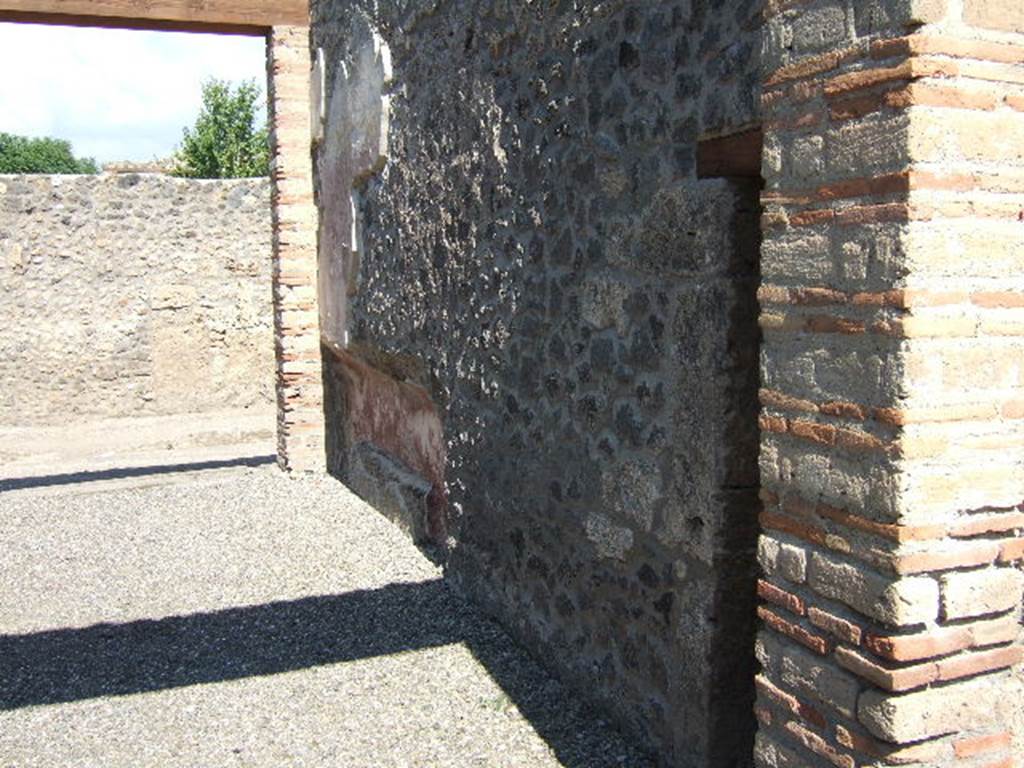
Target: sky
x=114, y=94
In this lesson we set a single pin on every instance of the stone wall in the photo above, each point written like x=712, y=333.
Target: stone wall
x=538, y=326
x=133, y=294
x=541, y=330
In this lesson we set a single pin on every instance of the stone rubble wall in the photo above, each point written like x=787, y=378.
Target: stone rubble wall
x=545, y=302
x=535, y=275
x=893, y=311
x=133, y=294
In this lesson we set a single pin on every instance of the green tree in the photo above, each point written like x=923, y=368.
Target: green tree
x=20, y=154
x=225, y=142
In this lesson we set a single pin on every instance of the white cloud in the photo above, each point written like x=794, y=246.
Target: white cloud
x=114, y=94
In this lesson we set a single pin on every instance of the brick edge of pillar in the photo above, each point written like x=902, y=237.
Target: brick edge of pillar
x=299, y=382
x=889, y=601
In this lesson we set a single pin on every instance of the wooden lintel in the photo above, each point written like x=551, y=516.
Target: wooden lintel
x=113, y=22
x=219, y=16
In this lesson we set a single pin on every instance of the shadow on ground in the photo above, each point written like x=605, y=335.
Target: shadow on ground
x=122, y=473
x=68, y=665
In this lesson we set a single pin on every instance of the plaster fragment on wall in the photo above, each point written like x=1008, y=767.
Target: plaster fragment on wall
x=355, y=148
x=318, y=97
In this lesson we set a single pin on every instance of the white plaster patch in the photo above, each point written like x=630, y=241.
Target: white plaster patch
x=318, y=97
x=680, y=569
x=499, y=152
x=354, y=148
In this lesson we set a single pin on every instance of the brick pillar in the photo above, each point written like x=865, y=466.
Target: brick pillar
x=893, y=387
x=300, y=421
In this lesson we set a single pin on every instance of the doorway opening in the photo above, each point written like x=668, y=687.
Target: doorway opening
x=188, y=304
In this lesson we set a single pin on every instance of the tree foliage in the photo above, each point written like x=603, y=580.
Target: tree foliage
x=225, y=142
x=21, y=154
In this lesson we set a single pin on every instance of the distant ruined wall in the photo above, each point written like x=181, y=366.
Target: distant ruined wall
x=541, y=329
x=133, y=294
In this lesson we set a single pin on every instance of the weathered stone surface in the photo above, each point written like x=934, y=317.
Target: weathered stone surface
x=1014, y=704
x=891, y=600
x=820, y=28
x=582, y=311
x=785, y=559
x=808, y=674
x=768, y=754
x=133, y=294
x=980, y=592
x=930, y=712
x=894, y=16
x=1005, y=15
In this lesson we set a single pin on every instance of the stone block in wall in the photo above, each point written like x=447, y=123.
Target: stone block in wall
x=777, y=557
x=820, y=27
x=897, y=16
x=931, y=712
x=1005, y=15
x=897, y=602
x=977, y=593
x=809, y=675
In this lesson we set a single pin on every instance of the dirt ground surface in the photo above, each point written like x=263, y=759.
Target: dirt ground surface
x=225, y=615
x=124, y=452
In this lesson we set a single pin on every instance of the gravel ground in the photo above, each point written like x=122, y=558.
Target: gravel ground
x=246, y=618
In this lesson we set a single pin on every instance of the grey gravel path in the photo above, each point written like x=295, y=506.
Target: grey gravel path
x=251, y=619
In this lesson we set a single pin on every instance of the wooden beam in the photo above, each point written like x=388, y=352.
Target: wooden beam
x=112, y=22
x=254, y=17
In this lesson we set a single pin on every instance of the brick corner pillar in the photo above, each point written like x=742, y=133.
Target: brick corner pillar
x=300, y=418
x=892, y=450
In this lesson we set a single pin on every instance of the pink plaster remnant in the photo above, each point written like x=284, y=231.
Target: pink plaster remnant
x=400, y=419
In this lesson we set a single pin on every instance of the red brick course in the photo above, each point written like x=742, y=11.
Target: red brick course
x=840, y=98
x=296, y=323
x=977, y=745
x=816, y=643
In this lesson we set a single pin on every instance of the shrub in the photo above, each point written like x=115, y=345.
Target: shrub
x=20, y=154
x=225, y=142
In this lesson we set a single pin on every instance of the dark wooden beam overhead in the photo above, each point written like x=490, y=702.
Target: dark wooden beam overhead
x=254, y=17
